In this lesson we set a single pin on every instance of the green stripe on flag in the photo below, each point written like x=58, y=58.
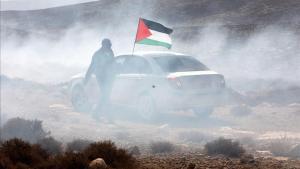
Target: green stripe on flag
x=154, y=43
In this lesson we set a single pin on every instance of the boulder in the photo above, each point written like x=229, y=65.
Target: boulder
x=98, y=163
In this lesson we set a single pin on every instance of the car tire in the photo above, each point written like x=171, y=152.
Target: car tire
x=79, y=99
x=146, y=108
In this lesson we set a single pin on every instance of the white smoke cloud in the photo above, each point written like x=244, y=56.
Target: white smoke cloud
x=45, y=60
x=270, y=54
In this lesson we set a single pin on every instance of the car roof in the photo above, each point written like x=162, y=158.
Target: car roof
x=153, y=54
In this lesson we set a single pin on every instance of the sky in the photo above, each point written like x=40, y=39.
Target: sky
x=36, y=4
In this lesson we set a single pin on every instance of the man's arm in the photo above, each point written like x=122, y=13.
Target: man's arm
x=90, y=70
x=112, y=53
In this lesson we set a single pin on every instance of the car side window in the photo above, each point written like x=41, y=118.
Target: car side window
x=136, y=65
x=119, y=65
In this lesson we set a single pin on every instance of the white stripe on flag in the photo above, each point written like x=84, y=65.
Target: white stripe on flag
x=158, y=36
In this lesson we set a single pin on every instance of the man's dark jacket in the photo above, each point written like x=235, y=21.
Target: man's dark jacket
x=102, y=64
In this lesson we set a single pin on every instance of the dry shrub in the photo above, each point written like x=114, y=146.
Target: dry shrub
x=71, y=160
x=284, y=147
x=225, y=147
x=21, y=166
x=51, y=145
x=78, y=145
x=67, y=160
x=248, y=142
x=113, y=156
x=18, y=151
x=161, y=147
x=295, y=152
x=134, y=150
x=27, y=130
x=280, y=147
x=5, y=161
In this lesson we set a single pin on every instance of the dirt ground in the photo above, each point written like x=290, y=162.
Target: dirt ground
x=199, y=161
x=255, y=126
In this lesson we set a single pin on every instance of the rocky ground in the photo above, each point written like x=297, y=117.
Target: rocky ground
x=255, y=125
x=200, y=161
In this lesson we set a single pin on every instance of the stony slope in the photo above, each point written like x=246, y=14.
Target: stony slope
x=240, y=15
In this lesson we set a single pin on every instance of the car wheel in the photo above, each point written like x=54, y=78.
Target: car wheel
x=79, y=99
x=146, y=107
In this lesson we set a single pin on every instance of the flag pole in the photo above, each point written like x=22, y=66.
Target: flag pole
x=133, y=48
x=135, y=37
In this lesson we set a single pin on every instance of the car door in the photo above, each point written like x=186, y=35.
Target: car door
x=131, y=79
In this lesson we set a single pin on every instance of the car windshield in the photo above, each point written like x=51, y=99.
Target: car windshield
x=179, y=63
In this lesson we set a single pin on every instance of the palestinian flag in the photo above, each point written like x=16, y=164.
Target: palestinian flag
x=153, y=33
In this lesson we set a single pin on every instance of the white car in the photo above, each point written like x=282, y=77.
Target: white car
x=155, y=82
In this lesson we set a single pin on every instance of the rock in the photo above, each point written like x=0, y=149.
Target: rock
x=191, y=166
x=264, y=153
x=98, y=163
x=246, y=159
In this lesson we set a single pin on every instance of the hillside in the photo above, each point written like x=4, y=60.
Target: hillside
x=183, y=15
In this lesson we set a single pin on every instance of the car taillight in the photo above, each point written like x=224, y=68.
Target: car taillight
x=223, y=84
x=174, y=82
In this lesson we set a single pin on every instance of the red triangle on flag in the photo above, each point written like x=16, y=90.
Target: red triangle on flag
x=142, y=31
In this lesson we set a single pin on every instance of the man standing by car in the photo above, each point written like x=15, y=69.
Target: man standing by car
x=102, y=67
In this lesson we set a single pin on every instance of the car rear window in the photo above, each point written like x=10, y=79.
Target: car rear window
x=128, y=64
x=179, y=63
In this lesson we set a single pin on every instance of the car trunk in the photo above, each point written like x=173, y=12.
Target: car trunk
x=203, y=82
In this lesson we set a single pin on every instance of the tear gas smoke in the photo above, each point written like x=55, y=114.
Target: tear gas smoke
x=268, y=54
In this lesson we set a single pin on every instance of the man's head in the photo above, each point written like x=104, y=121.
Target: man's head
x=106, y=43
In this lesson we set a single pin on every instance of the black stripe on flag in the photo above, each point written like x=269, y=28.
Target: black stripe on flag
x=157, y=26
